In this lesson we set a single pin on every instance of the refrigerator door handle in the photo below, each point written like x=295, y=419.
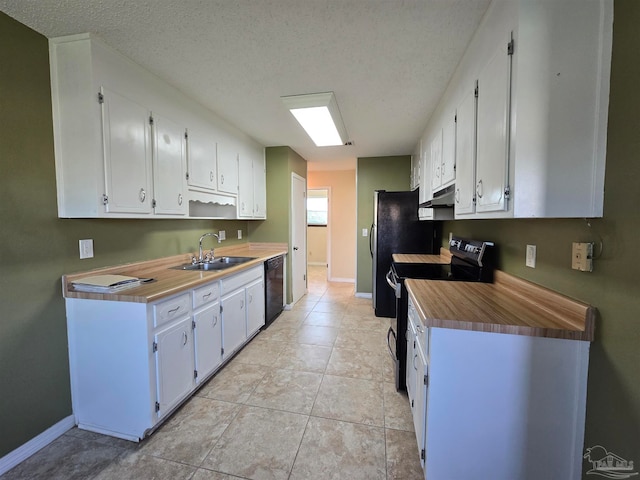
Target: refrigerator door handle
x=371, y=240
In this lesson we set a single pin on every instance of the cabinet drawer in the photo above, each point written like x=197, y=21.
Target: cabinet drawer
x=171, y=309
x=238, y=280
x=206, y=294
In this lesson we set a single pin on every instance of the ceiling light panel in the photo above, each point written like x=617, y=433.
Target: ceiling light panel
x=320, y=117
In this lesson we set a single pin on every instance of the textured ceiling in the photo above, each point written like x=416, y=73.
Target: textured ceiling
x=388, y=61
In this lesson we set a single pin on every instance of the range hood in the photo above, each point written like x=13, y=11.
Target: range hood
x=441, y=199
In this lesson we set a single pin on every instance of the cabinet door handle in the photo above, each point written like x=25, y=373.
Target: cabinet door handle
x=414, y=362
x=179, y=199
x=184, y=338
x=479, y=189
x=241, y=303
x=215, y=320
x=250, y=298
x=142, y=195
x=222, y=179
x=457, y=195
x=211, y=175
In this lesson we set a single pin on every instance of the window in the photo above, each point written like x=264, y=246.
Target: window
x=317, y=207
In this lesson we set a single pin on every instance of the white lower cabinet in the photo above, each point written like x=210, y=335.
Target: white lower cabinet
x=255, y=307
x=241, y=307
x=234, y=331
x=417, y=379
x=132, y=364
x=207, y=328
x=173, y=347
x=494, y=405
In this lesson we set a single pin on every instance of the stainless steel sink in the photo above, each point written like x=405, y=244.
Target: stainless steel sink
x=219, y=263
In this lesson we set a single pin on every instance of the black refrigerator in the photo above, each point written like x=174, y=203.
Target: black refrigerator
x=396, y=229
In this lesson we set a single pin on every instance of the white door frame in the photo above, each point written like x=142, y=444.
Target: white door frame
x=298, y=267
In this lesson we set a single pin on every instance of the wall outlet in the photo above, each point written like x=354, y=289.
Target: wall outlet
x=365, y=232
x=86, y=248
x=222, y=235
x=531, y=256
x=582, y=256
x=239, y=234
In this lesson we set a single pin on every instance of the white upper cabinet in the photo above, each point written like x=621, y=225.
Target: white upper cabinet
x=245, y=191
x=423, y=153
x=448, y=166
x=252, y=194
x=201, y=160
x=443, y=155
x=492, y=157
x=120, y=144
x=540, y=121
x=169, y=167
x=260, y=185
x=127, y=155
x=466, y=154
x=435, y=148
x=416, y=171
x=228, y=168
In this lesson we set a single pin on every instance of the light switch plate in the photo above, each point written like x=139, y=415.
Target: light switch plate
x=531, y=256
x=365, y=232
x=86, y=248
x=239, y=234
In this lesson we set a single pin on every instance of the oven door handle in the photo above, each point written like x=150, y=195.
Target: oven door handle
x=390, y=332
x=392, y=284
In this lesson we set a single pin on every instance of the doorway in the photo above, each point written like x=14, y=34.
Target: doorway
x=318, y=228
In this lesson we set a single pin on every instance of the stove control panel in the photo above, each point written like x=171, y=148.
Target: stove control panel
x=470, y=250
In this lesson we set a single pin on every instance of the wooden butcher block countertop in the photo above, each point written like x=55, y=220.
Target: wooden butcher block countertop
x=168, y=281
x=509, y=305
x=444, y=257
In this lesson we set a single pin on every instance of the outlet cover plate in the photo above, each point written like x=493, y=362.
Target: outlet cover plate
x=86, y=248
x=531, y=256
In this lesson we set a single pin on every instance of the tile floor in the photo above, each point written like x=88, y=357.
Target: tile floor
x=311, y=397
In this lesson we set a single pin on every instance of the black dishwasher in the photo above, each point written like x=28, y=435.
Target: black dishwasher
x=274, y=288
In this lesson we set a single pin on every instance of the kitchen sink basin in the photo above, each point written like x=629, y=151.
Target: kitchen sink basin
x=219, y=263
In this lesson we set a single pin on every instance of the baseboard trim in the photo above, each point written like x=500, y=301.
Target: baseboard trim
x=364, y=295
x=342, y=280
x=23, y=452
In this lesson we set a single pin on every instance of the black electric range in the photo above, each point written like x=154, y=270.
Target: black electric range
x=471, y=261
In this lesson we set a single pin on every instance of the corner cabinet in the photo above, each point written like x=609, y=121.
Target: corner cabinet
x=252, y=195
x=132, y=364
x=129, y=145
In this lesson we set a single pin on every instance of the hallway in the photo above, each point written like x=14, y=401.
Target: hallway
x=311, y=397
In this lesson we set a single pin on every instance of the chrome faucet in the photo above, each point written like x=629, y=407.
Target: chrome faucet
x=200, y=259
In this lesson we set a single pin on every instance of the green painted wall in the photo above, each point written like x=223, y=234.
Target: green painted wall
x=281, y=162
x=613, y=397
x=37, y=248
x=374, y=173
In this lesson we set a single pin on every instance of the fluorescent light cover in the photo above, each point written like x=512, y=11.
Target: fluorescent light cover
x=319, y=116
x=319, y=125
